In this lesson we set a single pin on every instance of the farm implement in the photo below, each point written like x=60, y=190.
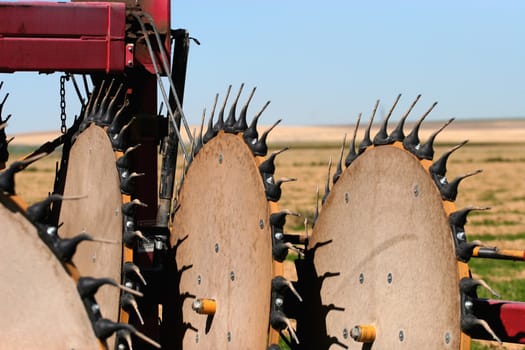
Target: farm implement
x=132, y=250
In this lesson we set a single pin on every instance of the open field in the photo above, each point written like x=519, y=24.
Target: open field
x=496, y=147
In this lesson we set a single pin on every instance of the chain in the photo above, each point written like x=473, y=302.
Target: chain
x=63, y=127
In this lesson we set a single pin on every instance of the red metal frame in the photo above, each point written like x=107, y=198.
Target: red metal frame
x=73, y=37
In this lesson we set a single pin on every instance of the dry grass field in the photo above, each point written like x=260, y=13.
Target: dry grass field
x=496, y=147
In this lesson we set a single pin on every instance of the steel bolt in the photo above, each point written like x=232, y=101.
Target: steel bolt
x=447, y=338
x=401, y=335
x=460, y=235
x=261, y=224
x=416, y=190
x=361, y=278
x=278, y=236
x=229, y=336
x=389, y=278
x=279, y=302
x=216, y=247
x=199, y=279
x=232, y=276
x=345, y=333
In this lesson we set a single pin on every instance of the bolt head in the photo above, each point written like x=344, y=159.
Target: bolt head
x=401, y=335
x=389, y=278
x=261, y=224
x=361, y=278
x=279, y=236
x=199, y=279
x=279, y=302
x=232, y=276
x=447, y=338
x=216, y=247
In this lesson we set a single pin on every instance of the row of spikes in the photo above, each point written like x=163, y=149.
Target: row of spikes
x=282, y=289
x=4, y=141
x=257, y=143
x=411, y=143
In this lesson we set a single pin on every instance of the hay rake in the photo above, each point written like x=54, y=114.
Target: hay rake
x=127, y=256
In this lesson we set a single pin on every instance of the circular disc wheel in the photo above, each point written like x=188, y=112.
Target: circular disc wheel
x=39, y=300
x=92, y=175
x=386, y=250
x=223, y=246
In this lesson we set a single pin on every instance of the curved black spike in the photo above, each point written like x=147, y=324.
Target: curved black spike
x=439, y=167
x=128, y=208
x=241, y=123
x=260, y=148
x=105, y=328
x=124, y=340
x=37, y=212
x=278, y=219
x=465, y=249
x=199, y=142
x=119, y=121
x=273, y=190
x=229, y=124
x=124, y=161
x=339, y=167
x=127, y=182
x=4, y=152
x=366, y=138
x=457, y=221
x=398, y=134
x=110, y=113
x=100, y=113
x=316, y=210
x=327, y=184
x=459, y=218
x=268, y=166
x=7, y=177
x=250, y=135
x=65, y=248
x=91, y=115
x=130, y=238
x=118, y=141
x=412, y=143
x=449, y=191
x=88, y=286
x=382, y=137
x=219, y=125
x=352, y=154
x=426, y=151
x=281, y=284
x=211, y=132
x=132, y=272
x=129, y=304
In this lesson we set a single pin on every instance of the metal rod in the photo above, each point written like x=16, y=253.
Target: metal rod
x=166, y=99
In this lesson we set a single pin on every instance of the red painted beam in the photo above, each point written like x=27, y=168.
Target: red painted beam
x=74, y=37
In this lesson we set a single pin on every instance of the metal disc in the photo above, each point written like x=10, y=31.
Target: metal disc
x=391, y=249
x=224, y=215
x=92, y=173
x=39, y=302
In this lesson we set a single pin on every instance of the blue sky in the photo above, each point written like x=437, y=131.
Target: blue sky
x=323, y=62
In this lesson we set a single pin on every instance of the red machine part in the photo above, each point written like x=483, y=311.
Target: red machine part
x=506, y=318
x=72, y=37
